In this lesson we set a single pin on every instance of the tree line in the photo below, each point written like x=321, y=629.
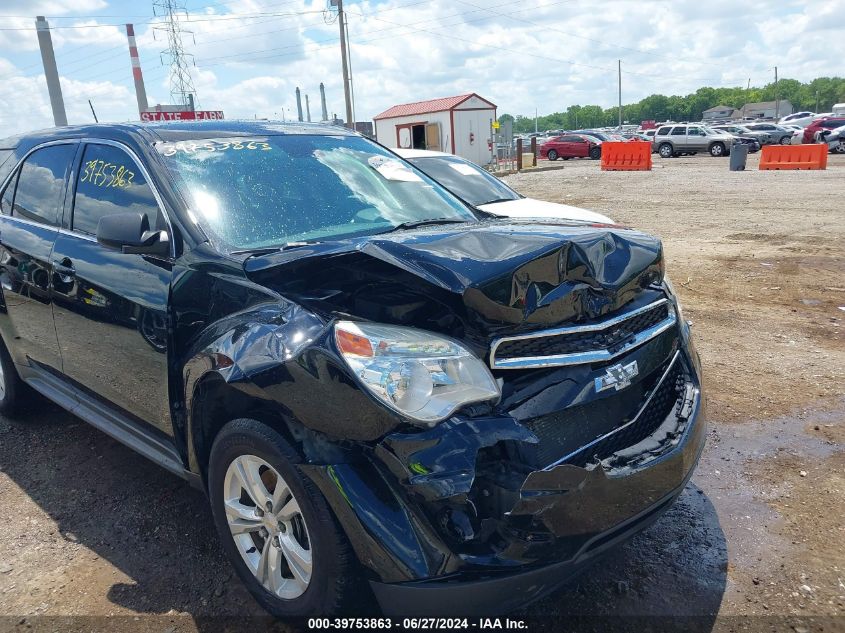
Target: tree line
x=818, y=95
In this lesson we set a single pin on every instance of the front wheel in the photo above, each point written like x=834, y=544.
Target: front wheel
x=275, y=525
x=13, y=391
x=552, y=154
x=665, y=151
x=786, y=140
x=595, y=153
x=717, y=149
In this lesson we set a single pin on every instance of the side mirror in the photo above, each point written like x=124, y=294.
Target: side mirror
x=130, y=233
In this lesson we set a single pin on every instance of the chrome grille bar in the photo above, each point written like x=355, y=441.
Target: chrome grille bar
x=591, y=356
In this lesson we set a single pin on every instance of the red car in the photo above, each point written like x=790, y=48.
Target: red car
x=571, y=146
x=825, y=123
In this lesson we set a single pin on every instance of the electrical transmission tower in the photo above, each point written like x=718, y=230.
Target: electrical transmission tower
x=182, y=89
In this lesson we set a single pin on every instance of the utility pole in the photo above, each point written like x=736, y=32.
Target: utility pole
x=777, y=101
x=535, y=121
x=341, y=18
x=48, y=57
x=817, y=101
x=620, y=94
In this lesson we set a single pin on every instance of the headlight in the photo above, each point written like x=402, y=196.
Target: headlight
x=423, y=376
x=671, y=290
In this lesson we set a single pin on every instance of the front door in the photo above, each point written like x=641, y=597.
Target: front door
x=31, y=206
x=110, y=307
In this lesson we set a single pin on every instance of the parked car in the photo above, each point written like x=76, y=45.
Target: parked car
x=798, y=118
x=571, y=146
x=602, y=136
x=677, y=140
x=742, y=131
x=835, y=140
x=825, y=123
x=374, y=386
x=482, y=190
x=777, y=134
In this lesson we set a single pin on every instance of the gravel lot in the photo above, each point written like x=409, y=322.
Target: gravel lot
x=91, y=529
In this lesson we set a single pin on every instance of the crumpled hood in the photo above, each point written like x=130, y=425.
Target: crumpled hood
x=505, y=273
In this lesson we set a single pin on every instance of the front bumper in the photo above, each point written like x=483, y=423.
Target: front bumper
x=595, y=510
x=440, y=535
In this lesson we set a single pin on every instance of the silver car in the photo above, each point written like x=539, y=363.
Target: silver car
x=741, y=130
x=777, y=134
x=677, y=140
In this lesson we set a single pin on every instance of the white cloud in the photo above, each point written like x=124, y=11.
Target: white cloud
x=518, y=53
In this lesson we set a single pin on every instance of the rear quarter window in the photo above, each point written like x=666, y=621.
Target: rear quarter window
x=41, y=184
x=663, y=131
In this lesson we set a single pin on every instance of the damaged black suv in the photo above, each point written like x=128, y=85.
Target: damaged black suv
x=378, y=387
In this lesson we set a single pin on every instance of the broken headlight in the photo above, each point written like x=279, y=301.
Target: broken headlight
x=423, y=376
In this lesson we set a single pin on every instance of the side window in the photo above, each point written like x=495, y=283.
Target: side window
x=8, y=196
x=41, y=184
x=663, y=131
x=696, y=131
x=679, y=131
x=110, y=182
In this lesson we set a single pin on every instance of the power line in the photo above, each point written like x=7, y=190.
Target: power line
x=220, y=18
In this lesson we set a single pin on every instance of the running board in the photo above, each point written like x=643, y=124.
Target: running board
x=100, y=416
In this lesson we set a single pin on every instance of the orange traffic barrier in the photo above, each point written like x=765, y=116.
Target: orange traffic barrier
x=794, y=156
x=622, y=156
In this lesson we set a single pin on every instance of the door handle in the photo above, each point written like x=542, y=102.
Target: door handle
x=64, y=269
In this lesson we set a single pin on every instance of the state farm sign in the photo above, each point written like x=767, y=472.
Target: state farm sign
x=198, y=115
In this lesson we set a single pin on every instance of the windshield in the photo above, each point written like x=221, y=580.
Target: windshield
x=260, y=192
x=466, y=180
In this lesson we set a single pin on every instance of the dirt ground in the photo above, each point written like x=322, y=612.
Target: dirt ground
x=88, y=528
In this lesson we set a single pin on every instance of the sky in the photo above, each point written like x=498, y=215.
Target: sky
x=523, y=55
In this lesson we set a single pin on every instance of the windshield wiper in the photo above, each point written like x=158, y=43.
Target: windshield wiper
x=271, y=249
x=495, y=200
x=415, y=223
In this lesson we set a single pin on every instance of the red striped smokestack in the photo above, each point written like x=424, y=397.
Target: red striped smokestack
x=140, y=92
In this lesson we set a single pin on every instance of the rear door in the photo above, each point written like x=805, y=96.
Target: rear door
x=111, y=307
x=696, y=139
x=678, y=137
x=31, y=208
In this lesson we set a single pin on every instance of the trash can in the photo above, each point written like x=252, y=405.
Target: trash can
x=739, y=156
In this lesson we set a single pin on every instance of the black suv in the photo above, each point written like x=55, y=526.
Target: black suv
x=379, y=388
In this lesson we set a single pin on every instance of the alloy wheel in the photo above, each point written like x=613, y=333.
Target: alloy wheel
x=268, y=527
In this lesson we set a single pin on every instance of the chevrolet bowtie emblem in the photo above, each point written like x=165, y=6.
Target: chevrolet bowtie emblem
x=618, y=376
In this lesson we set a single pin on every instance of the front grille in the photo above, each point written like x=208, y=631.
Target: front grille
x=583, y=341
x=588, y=343
x=601, y=427
x=662, y=403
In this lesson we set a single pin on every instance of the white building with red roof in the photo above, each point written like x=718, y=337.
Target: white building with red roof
x=460, y=125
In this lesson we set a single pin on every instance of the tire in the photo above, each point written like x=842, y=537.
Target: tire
x=785, y=140
x=249, y=455
x=717, y=149
x=13, y=391
x=595, y=153
x=665, y=150
x=552, y=154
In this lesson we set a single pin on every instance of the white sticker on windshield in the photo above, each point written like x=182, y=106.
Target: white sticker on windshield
x=392, y=169
x=464, y=169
